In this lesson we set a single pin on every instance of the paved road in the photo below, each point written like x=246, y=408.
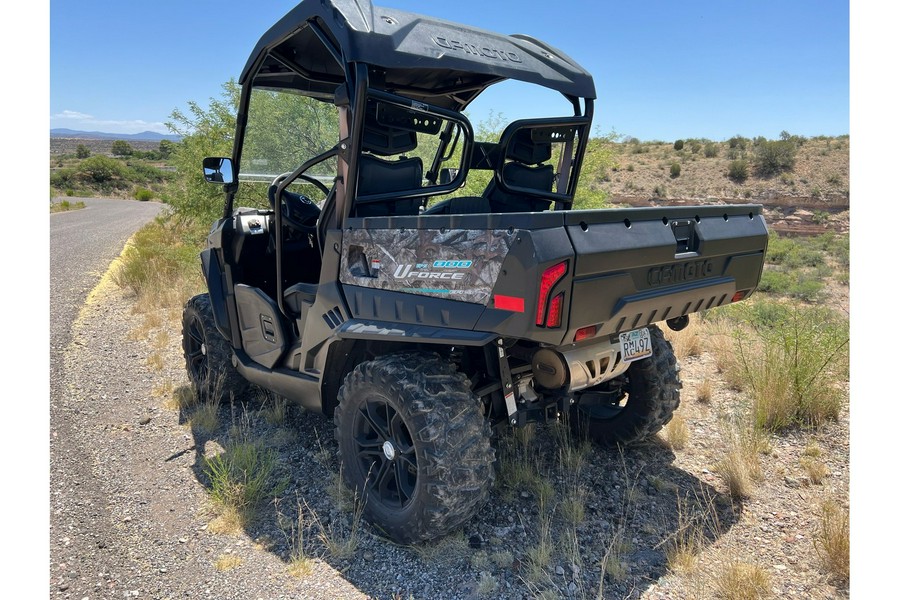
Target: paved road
x=82, y=245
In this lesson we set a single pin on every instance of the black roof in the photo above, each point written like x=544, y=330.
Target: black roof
x=422, y=57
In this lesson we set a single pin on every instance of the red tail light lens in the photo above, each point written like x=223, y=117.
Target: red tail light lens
x=550, y=278
x=738, y=296
x=585, y=333
x=554, y=315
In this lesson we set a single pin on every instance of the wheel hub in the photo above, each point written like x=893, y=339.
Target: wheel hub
x=389, y=451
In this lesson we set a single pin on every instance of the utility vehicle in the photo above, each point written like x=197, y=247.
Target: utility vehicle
x=426, y=288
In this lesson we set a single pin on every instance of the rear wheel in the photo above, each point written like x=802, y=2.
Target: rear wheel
x=414, y=445
x=207, y=354
x=635, y=406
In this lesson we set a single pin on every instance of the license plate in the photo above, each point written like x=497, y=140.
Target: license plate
x=635, y=345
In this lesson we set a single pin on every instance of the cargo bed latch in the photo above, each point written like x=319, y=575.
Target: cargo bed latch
x=686, y=239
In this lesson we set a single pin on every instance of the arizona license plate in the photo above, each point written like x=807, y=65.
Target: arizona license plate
x=635, y=345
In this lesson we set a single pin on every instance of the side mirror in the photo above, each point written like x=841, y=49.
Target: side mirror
x=218, y=170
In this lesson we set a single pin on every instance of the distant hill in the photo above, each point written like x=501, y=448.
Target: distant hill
x=149, y=136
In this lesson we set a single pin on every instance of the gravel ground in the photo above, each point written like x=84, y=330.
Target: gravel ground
x=131, y=516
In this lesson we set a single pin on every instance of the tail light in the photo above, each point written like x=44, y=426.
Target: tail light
x=549, y=279
x=554, y=315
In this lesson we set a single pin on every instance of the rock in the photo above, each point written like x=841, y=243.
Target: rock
x=145, y=420
x=560, y=571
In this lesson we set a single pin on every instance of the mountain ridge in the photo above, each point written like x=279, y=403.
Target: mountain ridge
x=152, y=136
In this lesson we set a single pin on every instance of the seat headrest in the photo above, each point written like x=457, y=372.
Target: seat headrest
x=524, y=150
x=383, y=139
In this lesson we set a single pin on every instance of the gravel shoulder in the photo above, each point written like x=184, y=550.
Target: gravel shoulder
x=130, y=514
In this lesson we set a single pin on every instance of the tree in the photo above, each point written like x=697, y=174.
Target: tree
x=205, y=132
x=122, y=148
x=166, y=147
x=82, y=151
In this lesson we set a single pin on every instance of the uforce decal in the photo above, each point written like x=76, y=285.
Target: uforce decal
x=407, y=272
x=484, y=51
x=678, y=273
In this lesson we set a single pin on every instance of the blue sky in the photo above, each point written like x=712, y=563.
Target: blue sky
x=663, y=69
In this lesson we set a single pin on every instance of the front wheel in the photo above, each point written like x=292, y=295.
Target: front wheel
x=634, y=406
x=414, y=445
x=207, y=354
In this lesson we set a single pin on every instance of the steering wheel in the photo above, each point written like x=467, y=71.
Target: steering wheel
x=297, y=210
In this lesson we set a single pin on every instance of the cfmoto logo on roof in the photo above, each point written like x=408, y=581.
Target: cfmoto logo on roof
x=473, y=49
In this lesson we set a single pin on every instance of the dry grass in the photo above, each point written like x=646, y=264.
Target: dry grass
x=704, y=392
x=180, y=398
x=815, y=469
x=487, y=585
x=226, y=562
x=274, y=410
x=743, y=581
x=832, y=540
x=686, y=343
x=156, y=361
x=676, y=433
x=740, y=467
x=205, y=418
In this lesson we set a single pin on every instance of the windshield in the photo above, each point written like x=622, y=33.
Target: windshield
x=283, y=130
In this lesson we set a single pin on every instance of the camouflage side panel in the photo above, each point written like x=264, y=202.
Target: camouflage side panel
x=457, y=264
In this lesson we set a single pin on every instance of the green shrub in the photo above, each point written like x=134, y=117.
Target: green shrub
x=695, y=147
x=711, y=150
x=143, y=194
x=738, y=142
x=679, y=144
x=738, y=170
x=659, y=191
x=101, y=170
x=675, y=170
x=82, y=152
x=121, y=148
x=793, y=366
x=773, y=157
x=242, y=476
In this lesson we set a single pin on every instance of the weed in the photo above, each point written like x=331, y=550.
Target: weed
x=791, y=369
x=275, y=412
x=449, y=550
x=205, y=418
x=832, y=540
x=704, y=392
x=241, y=477
x=226, y=562
x=743, y=581
x=739, y=467
x=675, y=170
x=815, y=469
x=487, y=585
x=738, y=170
x=677, y=433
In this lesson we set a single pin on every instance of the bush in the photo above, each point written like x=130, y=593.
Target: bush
x=792, y=377
x=679, y=144
x=122, y=148
x=143, y=194
x=101, y=170
x=773, y=157
x=82, y=152
x=711, y=150
x=695, y=147
x=738, y=170
x=675, y=170
x=738, y=142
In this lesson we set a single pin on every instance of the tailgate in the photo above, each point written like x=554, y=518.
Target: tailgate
x=633, y=267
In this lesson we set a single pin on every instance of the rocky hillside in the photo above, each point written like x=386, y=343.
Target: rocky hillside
x=811, y=197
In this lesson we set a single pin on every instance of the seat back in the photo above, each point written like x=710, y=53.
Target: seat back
x=526, y=170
